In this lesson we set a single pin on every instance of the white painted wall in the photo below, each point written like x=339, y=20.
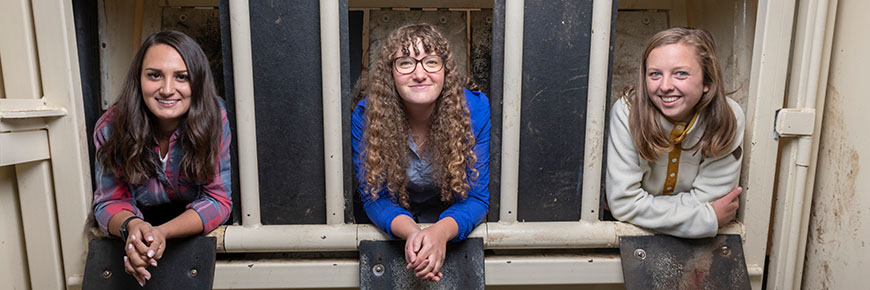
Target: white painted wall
x=837, y=256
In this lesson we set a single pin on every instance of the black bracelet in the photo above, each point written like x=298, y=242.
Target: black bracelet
x=123, y=229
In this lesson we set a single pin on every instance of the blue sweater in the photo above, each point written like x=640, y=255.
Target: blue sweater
x=467, y=212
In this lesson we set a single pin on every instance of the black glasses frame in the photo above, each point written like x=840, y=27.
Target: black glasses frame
x=417, y=61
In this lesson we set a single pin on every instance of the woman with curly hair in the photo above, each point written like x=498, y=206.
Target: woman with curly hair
x=421, y=147
x=162, y=166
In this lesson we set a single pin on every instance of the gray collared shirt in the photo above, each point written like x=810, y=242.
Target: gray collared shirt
x=421, y=182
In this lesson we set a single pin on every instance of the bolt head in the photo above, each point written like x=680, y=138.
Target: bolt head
x=640, y=254
x=378, y=270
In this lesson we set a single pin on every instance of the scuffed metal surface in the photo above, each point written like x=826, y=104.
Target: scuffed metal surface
x=666, y=262
x=382, y=266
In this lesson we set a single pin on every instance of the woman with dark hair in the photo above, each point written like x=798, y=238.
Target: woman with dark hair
x=162, y=165
x=421, y=147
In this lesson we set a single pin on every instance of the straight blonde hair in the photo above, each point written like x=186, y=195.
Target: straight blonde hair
x=721, y=125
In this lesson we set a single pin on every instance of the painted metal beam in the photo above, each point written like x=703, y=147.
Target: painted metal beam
x=330, y=54
x=513, y=90
x=596, y=105
x=246, y=127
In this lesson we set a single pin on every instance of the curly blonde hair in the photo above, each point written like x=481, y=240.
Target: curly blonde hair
x=386, y=130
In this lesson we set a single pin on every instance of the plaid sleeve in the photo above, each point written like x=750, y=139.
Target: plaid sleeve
x=112, y=195
x=215, y=203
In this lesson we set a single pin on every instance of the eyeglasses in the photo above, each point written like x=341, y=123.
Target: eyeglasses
x=406, y=64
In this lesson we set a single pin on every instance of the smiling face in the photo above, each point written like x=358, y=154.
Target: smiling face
x=419, y=87
x=675, y=80
x=165, y=85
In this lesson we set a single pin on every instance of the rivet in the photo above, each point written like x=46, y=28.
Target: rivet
x=640, y=254
x=726, y=251
x=193, y=272
x=107, y=274
x=182, y=17
x=443, y=19
x=378, y=270
x=645, y=20
x=385, y=19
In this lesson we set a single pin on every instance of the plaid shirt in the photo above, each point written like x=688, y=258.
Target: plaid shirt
x=211, y=201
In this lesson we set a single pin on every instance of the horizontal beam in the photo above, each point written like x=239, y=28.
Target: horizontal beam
x=27, y=108
x=346, y=237
x=23, y=147
x=535, y=269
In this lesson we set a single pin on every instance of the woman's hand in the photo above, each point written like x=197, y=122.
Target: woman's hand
x=431, y=249
x=137, y=251
x=431, y=243
x=726, y=206
x=412, y=247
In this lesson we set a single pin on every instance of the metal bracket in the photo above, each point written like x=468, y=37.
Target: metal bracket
x=794, y=122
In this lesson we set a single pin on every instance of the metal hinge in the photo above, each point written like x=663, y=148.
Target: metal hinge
x=794, y=122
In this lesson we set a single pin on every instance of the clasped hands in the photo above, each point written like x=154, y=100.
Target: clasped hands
x=144, y=247
x=425, y=251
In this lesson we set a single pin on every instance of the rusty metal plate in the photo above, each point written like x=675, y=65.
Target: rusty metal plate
x=382, y=266
x=666, y=262
x=186, y=264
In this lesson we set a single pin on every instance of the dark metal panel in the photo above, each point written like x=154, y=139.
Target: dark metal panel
x=556, y=38
x=496, y=101
x=230, y=97
x=186, y=264
x=355, y=43
x=85, y=15
x=346, y=79
x=285, y=40
x=382, y=266
x=666, y=262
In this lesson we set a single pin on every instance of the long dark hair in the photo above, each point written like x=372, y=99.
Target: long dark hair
x=130, y=151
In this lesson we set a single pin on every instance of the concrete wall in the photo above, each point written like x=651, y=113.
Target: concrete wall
x=837, y=256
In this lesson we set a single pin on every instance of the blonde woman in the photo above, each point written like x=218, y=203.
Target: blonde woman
x=673, y=155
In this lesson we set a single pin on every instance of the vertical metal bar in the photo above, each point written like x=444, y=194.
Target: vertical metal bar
x=40, y=225
x=54, y=26
x=596, y=103
x=513, y=89
x=770, y=61
x=812, y=26
x=18, y=50
x=246, y=127
x=330, y=57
